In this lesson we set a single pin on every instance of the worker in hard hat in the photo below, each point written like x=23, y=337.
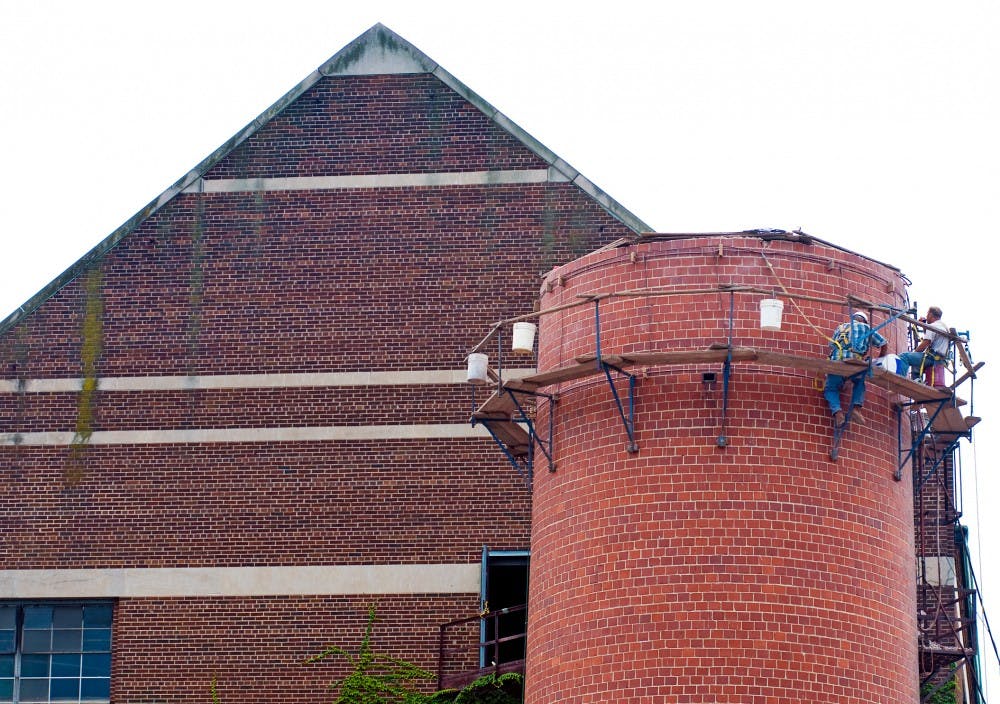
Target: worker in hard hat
x=851, y=340
x=932, y=349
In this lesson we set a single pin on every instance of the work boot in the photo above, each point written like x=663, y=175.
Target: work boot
x=838, y=419
x=856, y=415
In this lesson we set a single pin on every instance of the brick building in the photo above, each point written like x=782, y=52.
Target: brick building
x=239, y=420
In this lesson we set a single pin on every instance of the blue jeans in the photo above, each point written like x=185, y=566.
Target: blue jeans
x=915, y=360
x=831, y=391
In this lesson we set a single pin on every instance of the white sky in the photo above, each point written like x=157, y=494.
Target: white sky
x=870, y=124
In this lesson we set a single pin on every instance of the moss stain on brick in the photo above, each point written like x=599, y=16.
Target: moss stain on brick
x=91, y=346
x=19, y=353
x=196, y=298
x=548, y=255
x=196, y=285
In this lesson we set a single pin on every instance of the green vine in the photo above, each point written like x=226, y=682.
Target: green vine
x=374, y=678
x=493, y=689
x=945, y=695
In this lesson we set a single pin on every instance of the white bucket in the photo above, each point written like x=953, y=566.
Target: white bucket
x=524, y=337
x=478, y=364
x=890, y=363
x=770, y=314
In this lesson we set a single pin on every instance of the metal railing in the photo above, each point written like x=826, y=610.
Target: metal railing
x=491, y=655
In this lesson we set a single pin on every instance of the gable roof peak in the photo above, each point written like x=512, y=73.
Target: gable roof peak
x=378, y=51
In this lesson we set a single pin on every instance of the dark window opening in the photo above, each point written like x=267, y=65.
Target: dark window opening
x=505, y=586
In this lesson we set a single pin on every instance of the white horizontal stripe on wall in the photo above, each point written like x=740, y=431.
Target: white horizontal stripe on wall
x=240, y=581
x=250, y=381
x=321, y=183
x=221, y=435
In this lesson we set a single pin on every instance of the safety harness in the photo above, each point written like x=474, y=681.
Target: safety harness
x=932, y=356
x=846, y=342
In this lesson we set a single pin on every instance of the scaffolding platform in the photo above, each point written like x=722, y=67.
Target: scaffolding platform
x=585, y=366
x=500, y=409
x=951, y=421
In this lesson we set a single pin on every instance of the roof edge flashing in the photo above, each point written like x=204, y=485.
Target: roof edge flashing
x=379, y=51
x=556, y=163
x=609, y=204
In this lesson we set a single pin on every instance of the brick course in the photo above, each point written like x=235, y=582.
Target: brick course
x=239, y=408
x=237, y=504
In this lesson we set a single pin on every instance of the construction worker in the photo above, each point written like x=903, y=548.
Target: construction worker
x=933, y=348
x=851, y=340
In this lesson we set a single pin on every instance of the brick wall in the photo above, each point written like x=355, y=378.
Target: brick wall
x=417, y=125
x=283, y=282
x=317, y=281
x=255, y=648
x=238, y=504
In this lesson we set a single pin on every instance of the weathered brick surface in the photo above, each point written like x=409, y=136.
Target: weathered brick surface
x=935, y=512
x=940, y=552
x=688, y=573
x=236, y=504
x=240, y=408
x=316, y=281
x=696, y=321
x=254, y=648
x=281, y=282
x=417, y=125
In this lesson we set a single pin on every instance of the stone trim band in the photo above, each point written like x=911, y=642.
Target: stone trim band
x=327, y=183
x=246, y=435
x=249, y=381
x=240, y=581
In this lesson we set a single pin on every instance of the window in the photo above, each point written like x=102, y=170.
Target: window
x=56, y=652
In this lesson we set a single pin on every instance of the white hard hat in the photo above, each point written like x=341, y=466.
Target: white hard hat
x=860, y=314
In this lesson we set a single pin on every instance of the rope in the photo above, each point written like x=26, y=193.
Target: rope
x=982, y=613
x=979, y=543
x=794, y=302
x=831, y=340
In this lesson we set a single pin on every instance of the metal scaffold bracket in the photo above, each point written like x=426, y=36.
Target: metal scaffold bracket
x=524, y=465
x=627, y=417
x=536, y=440
x=727, y=371
x=515, y=432
x=947, y=438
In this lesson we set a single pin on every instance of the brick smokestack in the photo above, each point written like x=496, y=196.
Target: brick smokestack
x=689, y=572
